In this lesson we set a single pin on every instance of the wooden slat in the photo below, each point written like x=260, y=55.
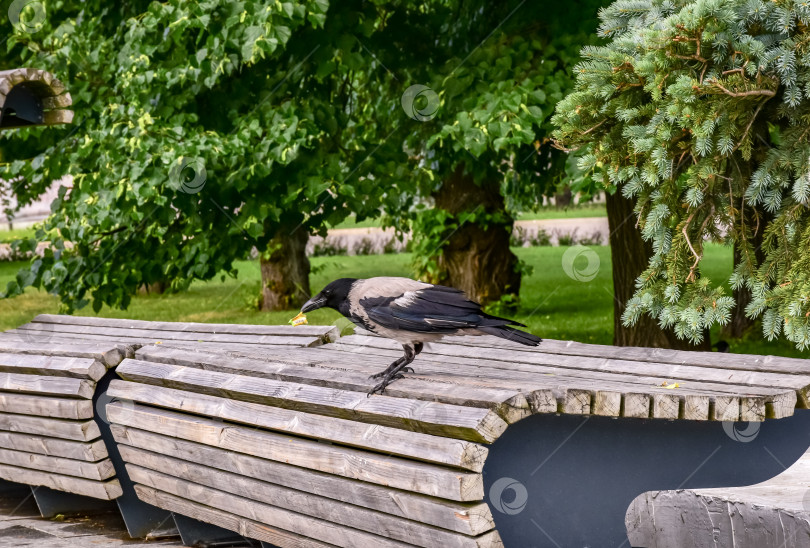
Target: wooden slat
x=128, y=345
x=57, y=101
x=290, y=499
x=467, y=369
x=446, y=451
x=534, y=360
x=152, y=335
x=98, y=471
x=246, y=528
x=326, y=331
x=47, y=386
x=106, y=490
x=712, y=360
x=294, y=511
x=509, y=403
x=30, y=364
x=87, y=451
x=396, y=472
x=55, y=428
x=54, y=117
x=108, y=354
x=468, y=518
x=43, y=406
x=468, y=423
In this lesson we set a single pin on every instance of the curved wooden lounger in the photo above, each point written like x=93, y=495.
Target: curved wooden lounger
x=772, y=513
x=54, y=374
x=487, y=444
x=32, y=97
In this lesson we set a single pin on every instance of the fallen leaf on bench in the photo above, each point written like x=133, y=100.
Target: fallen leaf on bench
x=670, y=386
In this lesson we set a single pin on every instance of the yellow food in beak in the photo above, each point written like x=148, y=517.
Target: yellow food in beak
x=300, y=319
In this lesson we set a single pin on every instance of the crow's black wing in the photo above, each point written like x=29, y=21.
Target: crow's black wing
x=435, y=309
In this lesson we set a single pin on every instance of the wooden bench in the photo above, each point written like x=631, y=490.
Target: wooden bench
x=54, y=374
x=47, y=433
x=487, y=444
x=772, y=513
x=32, y=97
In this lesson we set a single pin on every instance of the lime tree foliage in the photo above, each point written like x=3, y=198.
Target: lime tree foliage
x=205, y=131
x=478, y=144
x=699, y=110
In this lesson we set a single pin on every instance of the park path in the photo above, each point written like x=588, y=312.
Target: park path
x=594, y=229
x=21, y=526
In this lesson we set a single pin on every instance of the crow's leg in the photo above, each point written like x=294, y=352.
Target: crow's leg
x=417, y=348
x=388, y=370
x=394, y=371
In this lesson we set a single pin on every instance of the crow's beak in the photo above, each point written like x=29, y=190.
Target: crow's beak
x=314, y=303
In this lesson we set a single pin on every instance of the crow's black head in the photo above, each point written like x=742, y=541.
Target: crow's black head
x=332, y=296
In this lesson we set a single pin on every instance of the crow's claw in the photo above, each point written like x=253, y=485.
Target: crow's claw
x=380, y=387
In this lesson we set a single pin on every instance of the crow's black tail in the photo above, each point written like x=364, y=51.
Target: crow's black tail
x=511, y=334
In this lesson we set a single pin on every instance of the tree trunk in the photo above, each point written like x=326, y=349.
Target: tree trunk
x=474, y=258
x=157, y=288
x=564, y=198
x=739, y=323
x=629, y=256
x=285, y=271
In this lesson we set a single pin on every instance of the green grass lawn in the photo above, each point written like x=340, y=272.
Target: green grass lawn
x=552, y=304
x=7, y=236
x=573, y=212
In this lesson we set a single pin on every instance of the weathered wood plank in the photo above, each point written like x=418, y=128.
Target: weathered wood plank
x=720, y=371
x=383, y=439
x=329, y=331
x=396, y=472
x=283, y=506
x=607, y=404
x=152, y=335
x=30, y=364
x=466, y=370
x=55, y=428
x=43, y=406
x=510, y=404
x=55, y=117
x=46, y=385
x=725, y=409
x=246, y=528
x=469, y=423
x=107, y=353
x=713, y=360
x=87, y=451
x=98, y=471
x=636, y=406
x=694, y=519
x=57, y=101
x=469, y=518
x=106, y=490
x=577, y=402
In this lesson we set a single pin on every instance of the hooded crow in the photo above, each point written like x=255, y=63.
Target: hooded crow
x=411, y=313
